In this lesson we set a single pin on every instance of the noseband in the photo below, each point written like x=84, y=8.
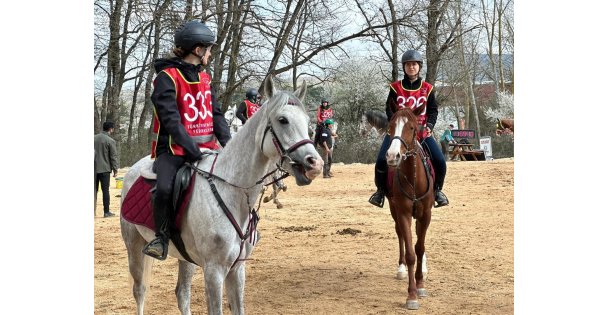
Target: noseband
x=279, y=146
x=408, y=152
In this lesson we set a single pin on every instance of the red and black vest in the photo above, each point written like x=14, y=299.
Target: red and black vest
x=413, y=99
x=251, y=108
x=323, y=114
x=193, y=101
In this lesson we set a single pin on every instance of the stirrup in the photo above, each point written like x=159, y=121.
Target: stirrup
x=157, y=248
x=377, y=199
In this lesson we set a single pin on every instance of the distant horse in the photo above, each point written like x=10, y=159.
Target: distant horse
x=410, y=196
x=220, y=218
x=505, y=126
x=277, y=186
x=373, y=123
x=234, y=123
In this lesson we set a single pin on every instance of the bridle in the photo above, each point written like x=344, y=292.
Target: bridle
x=284, y=153
x=413, y=152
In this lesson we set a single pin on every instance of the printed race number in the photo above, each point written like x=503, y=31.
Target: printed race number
x=192, y=104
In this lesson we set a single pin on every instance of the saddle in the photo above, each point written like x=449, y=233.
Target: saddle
x=137, y=205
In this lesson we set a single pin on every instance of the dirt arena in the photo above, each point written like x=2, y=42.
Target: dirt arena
x=304, y=264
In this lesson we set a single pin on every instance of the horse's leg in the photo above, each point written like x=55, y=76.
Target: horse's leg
x=405, y=222
x=214, y=282
x=235, y=288
x=402, y=269
x=139, y=264
x=422, y=225
x=275, y=193
x=184, y=283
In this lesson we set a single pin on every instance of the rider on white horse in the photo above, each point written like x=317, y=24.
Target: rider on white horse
x=249, y=105
x=182, y=123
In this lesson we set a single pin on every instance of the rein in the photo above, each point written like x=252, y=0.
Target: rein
x=414, y=152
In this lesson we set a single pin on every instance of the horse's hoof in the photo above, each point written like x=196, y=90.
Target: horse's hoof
x=279, y=206
x=412, y=304
x=266, y=199
x=284, y=188
x=422, y=292
x=402, y=272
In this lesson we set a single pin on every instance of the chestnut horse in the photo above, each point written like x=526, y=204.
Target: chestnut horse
x=505, y=126
x=411, y=196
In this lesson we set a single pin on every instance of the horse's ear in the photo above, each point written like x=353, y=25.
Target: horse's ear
x=301, y=92
x=269, y=87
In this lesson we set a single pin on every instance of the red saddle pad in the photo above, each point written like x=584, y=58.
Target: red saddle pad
x=137, y=206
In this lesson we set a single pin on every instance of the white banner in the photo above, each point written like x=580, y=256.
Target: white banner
x=485, y=144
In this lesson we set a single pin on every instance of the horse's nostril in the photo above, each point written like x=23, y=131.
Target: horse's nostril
x=310, y=160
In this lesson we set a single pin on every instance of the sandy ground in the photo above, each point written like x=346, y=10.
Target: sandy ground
x=302, y=265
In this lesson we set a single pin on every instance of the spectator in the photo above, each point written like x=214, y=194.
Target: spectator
x=106, y=162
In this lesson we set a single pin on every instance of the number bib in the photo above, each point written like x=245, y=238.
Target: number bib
x=412, y=99
x=194, y=105
x=251, y=108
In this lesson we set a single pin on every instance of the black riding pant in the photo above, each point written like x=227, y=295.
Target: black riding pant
x=104, y=179
x=165, y=166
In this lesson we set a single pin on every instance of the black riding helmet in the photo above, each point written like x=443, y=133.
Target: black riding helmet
x=193, y=33
x=251, y=94
x=324, y=100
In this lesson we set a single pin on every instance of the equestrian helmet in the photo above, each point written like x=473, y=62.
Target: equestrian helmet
x=252, y=94
x=329, y=121
x=193, y=33
x=412, y=55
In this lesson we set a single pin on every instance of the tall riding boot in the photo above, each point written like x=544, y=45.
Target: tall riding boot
x=380, y=177
x=440, y=198
x=158, y=247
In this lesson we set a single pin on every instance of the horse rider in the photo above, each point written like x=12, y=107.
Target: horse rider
x=249, y=106
x=324, y=111
x=183, y=122
x=412, y=92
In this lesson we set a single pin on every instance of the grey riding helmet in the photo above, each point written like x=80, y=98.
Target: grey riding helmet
x=412, y=55
x=193, y=33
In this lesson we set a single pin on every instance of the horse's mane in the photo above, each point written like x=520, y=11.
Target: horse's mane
x=376, y=119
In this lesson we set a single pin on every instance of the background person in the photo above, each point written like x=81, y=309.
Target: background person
x=446, y=139
x=326, y=141
x=324, y=112
x=106, y=162
x=249, y=106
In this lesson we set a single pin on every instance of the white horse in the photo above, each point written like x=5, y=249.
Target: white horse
x=278, y=185
x=234, y=123
x=217, y=243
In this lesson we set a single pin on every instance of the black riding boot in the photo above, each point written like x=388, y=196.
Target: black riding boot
x=158, y=247
x=440, y=198
x=377, y=199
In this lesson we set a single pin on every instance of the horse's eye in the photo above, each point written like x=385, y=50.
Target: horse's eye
x=283, y=120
